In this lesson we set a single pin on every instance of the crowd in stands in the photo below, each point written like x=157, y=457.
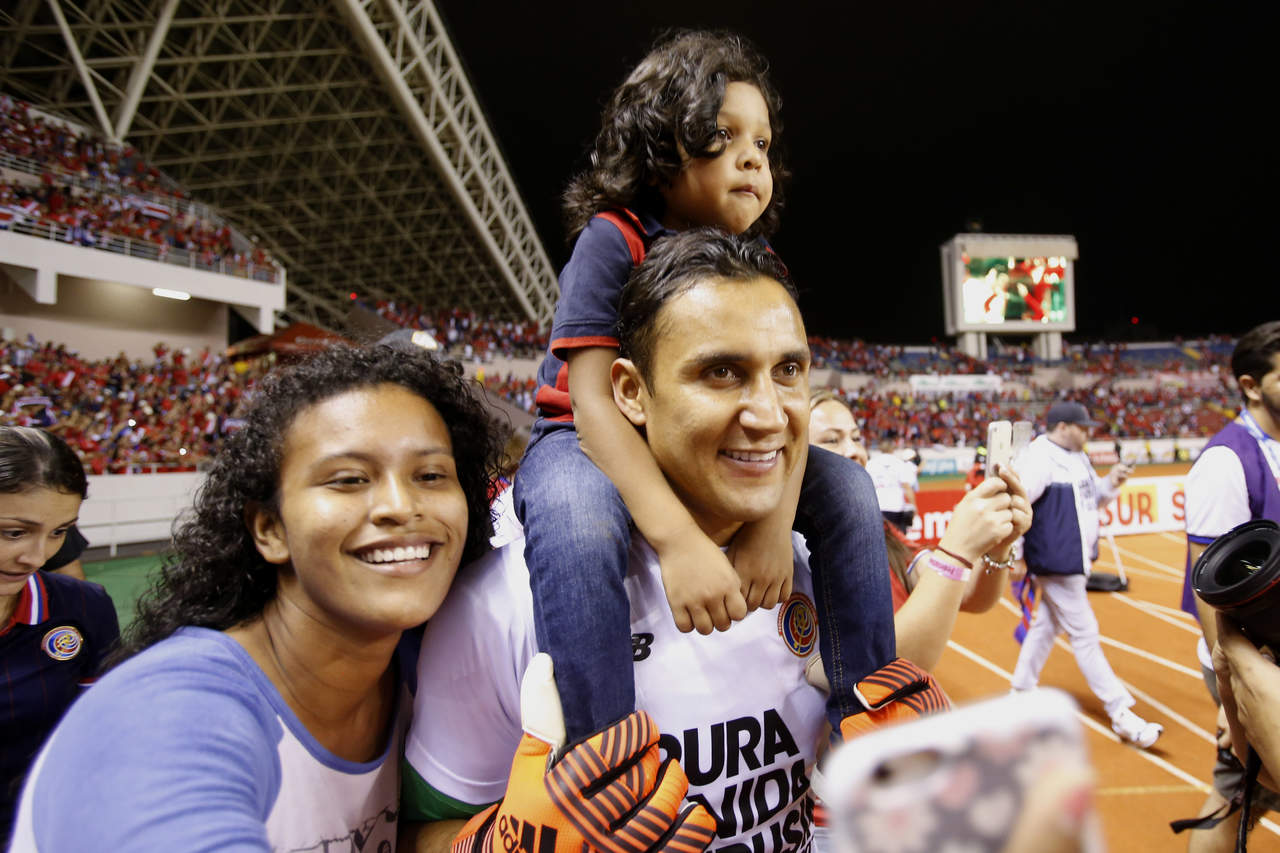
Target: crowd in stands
x=1157, y=411
x=124, y=416
x=961, y=419
x=171, y=412
x=465, y=334
x=891, y=362
x=89, y=218
x=517, y=390
x=62, y=151
x=90, y=193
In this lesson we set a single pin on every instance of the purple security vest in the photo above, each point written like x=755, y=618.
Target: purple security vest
x=1264, y=493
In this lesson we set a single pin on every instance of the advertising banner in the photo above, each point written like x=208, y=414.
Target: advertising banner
x=954, y=383
x=1144, y=505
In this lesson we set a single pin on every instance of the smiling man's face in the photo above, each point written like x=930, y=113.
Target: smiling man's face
x=726, y=412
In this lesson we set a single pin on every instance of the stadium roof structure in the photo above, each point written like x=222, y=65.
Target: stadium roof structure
x=343, y=135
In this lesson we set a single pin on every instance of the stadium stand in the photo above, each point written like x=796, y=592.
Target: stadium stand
x=455, y=329
x=61, y=183
x=1159, y=390
x=126, y=416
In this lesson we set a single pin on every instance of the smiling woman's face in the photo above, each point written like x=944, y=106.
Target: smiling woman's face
x=33, y=526
x=372, y=519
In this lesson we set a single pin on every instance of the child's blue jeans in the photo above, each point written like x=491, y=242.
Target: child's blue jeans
x=577, y=538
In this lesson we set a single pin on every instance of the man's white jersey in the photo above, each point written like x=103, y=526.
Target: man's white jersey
x=733, y=707
x=890, y=476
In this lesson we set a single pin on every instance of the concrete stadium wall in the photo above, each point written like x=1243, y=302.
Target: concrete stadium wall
x=101, y=319
x=125, y=508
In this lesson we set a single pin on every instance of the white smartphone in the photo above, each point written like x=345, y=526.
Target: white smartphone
x=1023, y=432
x=999, y=445
x=956, y=780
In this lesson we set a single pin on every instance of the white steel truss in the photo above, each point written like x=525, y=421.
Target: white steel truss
x=344, y=137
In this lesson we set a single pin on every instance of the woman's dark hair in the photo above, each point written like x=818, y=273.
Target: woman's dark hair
x=1253, y=352
x=901, y=552
x=675, y=264
x=34, y=459
x=216, y=578
x=671, y=100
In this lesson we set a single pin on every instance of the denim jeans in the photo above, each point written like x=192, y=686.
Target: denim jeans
x=577, y=538
x=840, y=520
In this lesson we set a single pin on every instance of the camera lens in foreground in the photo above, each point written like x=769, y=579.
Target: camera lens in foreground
x=1239, y=574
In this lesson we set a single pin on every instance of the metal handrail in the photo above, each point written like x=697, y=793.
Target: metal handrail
x=28, y=166
x=49, y=229
x=36, y=168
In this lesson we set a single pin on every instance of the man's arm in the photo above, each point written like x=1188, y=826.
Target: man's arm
x=610, y=792
x=1249, y=684
x=1217, y=500
x=1205, y=613
x=700, y=583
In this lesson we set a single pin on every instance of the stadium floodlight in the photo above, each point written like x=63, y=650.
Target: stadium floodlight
x=171, y=294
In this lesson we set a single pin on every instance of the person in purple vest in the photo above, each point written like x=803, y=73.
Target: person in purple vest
x=1236, y=479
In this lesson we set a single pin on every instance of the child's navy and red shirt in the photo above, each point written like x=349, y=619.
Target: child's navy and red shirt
x=606, y=252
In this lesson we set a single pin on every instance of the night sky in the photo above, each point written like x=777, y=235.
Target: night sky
x=1132, y=127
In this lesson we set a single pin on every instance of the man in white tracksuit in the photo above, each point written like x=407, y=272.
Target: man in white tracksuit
x=1065, y=494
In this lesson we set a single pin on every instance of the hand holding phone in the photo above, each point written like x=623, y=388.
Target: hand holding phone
x=999, y=446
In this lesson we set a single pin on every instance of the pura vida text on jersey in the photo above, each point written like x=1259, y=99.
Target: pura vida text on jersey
x=769, y=777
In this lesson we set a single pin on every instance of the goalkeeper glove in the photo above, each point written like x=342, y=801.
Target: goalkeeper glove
x=611, y=793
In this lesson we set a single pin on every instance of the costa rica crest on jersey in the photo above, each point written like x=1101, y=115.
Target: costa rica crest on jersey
x=62, y=643
x=798, y=624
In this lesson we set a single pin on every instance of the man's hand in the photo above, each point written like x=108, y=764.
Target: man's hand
x=1119, y=473
x=765, y=564
x=702, y=587
x=1249, y=685
x=611, y=793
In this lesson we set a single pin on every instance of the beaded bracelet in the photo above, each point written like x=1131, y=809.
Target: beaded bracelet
x=949, y=570
x=996, y=565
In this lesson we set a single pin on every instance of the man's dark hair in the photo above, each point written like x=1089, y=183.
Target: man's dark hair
x=1253, y=352
x=216, y=578
x=674, y=265
x=668, y=102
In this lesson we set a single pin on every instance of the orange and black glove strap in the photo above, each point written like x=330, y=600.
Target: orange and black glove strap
x=897, y=691
x=611, y=793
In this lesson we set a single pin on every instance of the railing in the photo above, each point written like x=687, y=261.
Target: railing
x=48, y=229
x=28, y=166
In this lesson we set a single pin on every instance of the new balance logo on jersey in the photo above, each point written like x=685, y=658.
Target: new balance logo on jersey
x=640, y=646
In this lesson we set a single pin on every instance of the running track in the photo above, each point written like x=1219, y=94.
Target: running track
x=1151, y=645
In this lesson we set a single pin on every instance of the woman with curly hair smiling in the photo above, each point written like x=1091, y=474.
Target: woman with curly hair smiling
x=265, y=687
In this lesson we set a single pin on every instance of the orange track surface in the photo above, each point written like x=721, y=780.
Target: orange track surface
x=1151, y=646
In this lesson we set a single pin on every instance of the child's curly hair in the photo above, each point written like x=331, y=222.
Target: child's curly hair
x=216, y=578
x=671, y=100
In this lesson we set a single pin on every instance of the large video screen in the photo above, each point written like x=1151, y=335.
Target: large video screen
x=1009, y=283
x=996, y=291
